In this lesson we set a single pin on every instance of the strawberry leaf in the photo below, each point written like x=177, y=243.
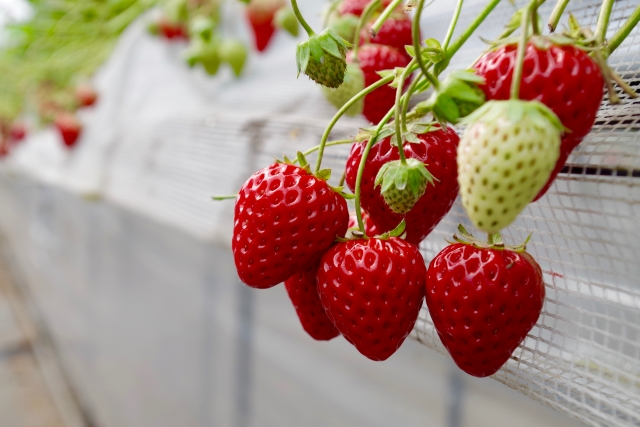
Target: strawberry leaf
x=302, y=56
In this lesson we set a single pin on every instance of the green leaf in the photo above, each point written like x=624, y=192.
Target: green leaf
x=380, y=175
x=384, y=73
x=460, y=90
x=467, y=76
x=410, y=50
x=302, y=56
x=411, y=137
x=433, y=50
x=447, y=108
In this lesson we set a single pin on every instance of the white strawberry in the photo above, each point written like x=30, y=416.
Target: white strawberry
x=505, y=156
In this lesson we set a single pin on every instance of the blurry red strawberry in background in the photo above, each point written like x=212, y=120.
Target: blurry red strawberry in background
x=260, y=14
x=171, y=30
x=69, y=128
x=86, y=95
x=17, y=131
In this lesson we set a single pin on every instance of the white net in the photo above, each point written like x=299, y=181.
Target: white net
x=582, y=357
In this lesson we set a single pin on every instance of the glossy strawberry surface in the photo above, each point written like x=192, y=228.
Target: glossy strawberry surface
x=369, y=227
x=564, y=78
x=69, y=128
x=285, y=219
x=437, y=149
x=372, y=290
x=374, y=58
x=303, y=291
x=483, y=302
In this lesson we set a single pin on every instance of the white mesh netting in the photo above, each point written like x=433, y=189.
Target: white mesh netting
x=583, y=356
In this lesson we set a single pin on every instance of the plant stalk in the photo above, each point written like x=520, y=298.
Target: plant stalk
x=558, y=10
x=624, y=31
x=301, y=20
x=452, y=25
x=384, y=16
x=522, y=48
x=398, y=110
x=603, y=20
x=373, y=4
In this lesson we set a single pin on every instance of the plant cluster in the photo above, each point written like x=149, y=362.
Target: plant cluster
x=525, y=104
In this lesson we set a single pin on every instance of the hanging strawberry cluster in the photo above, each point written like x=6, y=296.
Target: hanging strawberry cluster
x=525, y=104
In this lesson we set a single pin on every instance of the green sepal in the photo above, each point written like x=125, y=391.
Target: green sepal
x=302, y=161
x=402, y=184
x=302, y=56
x=432, y=51
x=575, y=29
x=494, y=241
x=515, y=110
x=324, y=174
x=396, y=232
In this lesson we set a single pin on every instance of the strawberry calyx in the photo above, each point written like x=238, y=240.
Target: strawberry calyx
x=356, y=234
x=323, y=58
x=411, y=135
x=403, y=183
x=457, y=97
x=516, y=110
x=322, y=174
x=494, y=241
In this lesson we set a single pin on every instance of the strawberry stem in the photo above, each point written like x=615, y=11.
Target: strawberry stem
x=398, y=109
x=294, y=5
x=328, y=144
x=522, y=48
x=452, y=25
x=341, y=111
x=407, y=98
x=558, y=10
x=603, y=20
x=363, y=162
x=384, y=16
x=624, y=31
x=373, y=4
x=417, y=46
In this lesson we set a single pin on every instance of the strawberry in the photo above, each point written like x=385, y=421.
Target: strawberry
x=373, y=58
x=260, y=14
x=403, y=183
x=484, y=300
x=564, y=78
x=437, y=149
x=303, y=291
x=323, y=58
x=505, y=157
x=17, y=131
x=286, y=19
x=369, y=226
x=285, y=219
x=372, y=289
x=356, y=7
x=171, y=30
x=69, y=128
x=353, y=83
x=234, y=53
x=395, y=32
x=86, y=95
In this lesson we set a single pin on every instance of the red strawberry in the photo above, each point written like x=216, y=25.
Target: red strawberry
x=483, y=302
x=372, y=290
x=86, y=95
x=564, y=78
x=285, y=219
x=369, y=226
x=172, y=30
x=437, y=149
x=17, y=131
x=69, y=128
x=374, y=58
x=303, y=291
x=356, y=7
x=395, y=32
x=4, y=148
x=260, y=14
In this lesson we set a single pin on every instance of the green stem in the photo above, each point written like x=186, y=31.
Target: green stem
x=407, y=98
x=363, y=162
x=522, y=48
x=554, y=19
x=417, y=46
x=384, y=16
x=328, y=144
x=624, y=31
x=603, y=20
x=398, y=109
x=341, y=111
x=294, y=5
x=452, y=25
x=462, y=39
x=373, y=4
x=229, y=197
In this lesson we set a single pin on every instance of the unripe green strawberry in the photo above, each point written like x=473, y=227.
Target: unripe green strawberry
x=345, y=26
x=234, y=53
x=505, y=157
x=204, y=52
x=286, y=19
x=202, y=26
x=403, y=183
x=323, y=58
x=352, y=84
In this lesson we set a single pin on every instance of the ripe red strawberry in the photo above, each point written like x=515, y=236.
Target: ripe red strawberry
x=395, y=32
x=285, y=219
x=369, y=226
x=372, y=290
x=564, y=78
x=172, y=30
x=260, y=14
x=17, y=131
x=303, y=291
x=437, y=149
x=69, y=128
x=483, y=302
x=374, y=58
x=86, y=95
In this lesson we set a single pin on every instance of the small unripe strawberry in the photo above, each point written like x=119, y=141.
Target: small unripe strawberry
x=323, y=58
x=403, y=183
x=505, y=157
x=234, y=53
x=204, y=52
x=353, y=83
x=286, y=19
